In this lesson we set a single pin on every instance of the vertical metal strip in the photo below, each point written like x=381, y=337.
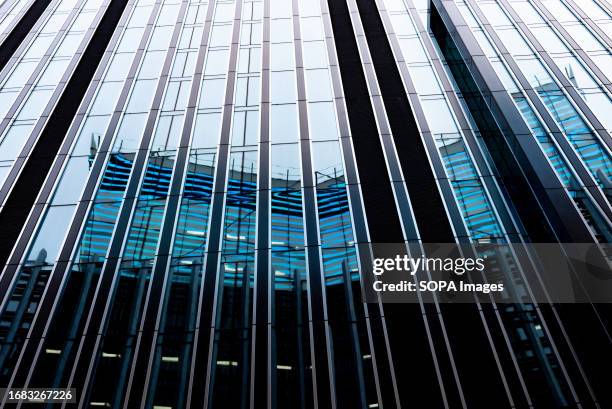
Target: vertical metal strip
x=445, y=6
x=97, y=320
x=589, y=183
x=605, y=37
x=263, y=361
x=202, y=365
x=148, y=334
x=321, y=347
x=557, y=207
x=34, y=135
x=382, y=363
x=56, y=279
x=573, y=44
x=25, y=42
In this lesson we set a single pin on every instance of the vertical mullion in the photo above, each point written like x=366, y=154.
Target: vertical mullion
x=382, y=364
x=320, y=333
x=605, y=37
x=57, y=277
x=575, y=47
x=149, y=331
x=590, y=184
x=37, y=129
x=578, y=165
x=263, y=363
x=7, y=61
x=81, y=370
x=203, y=365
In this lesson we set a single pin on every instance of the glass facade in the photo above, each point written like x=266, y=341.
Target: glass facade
x=190, y=190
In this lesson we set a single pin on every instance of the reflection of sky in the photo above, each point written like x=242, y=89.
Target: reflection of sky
x=51, y=234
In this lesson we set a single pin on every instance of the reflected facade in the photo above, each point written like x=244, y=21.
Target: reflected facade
x=189, y=190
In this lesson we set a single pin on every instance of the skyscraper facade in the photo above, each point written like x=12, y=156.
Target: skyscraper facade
x=189, y=191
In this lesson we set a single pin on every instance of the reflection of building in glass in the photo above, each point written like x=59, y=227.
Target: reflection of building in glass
x=189, y=190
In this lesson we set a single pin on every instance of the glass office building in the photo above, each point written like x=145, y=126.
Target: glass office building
x=189, y=190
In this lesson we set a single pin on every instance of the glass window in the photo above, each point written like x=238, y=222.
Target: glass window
x=152, y=64
x=142, y=96
x=6, y=101
x=395, y=5
x=66, y=5
x=527, y=12
x=504, y=76
x=69, y=46
x=326, y=161
x=549, y=40
x=206, y=132
x=584, y=38
x=168, y=14
x=118, y=69
x=168, y=132
x=514, y=42
x=310, y=8
x=282, y=87
x=593, y=10
x=424, y=80
x=224, y=12
x=247, y=91
x=160, y=39
x=83, y=21
x=402, y=24
x=131, y=39
x=484, y=43
x=106, y=99
x=281, y=30
x=35, y=104
x=130, y=133
x=221, y=35
x=4, y=171
x=15, y=138
x=20, y=74
x=318, y=85
x=575, y=72
x=73, y=180
x=443, y=121
x=412, y=50
x=90, y=136
x=312, y=29
x=536, y=74
x=283, y=123
x=285, y=162
x=322, y=117
x=245, y=128
x=252, y=11
x=495, y=15
x=53, y=72
x=281, y=57
x=38, y=46
x=600, y=104
x=467, y=15
x=280, y=8
x=140, y=16
x=558, y=9
x=212, y=94
x=177, y=95
x=53, y=24
x=51, y=233
x=249, y=60
x=604, y=63
x=216, y=62
x=314, y=54
x=250, y=34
